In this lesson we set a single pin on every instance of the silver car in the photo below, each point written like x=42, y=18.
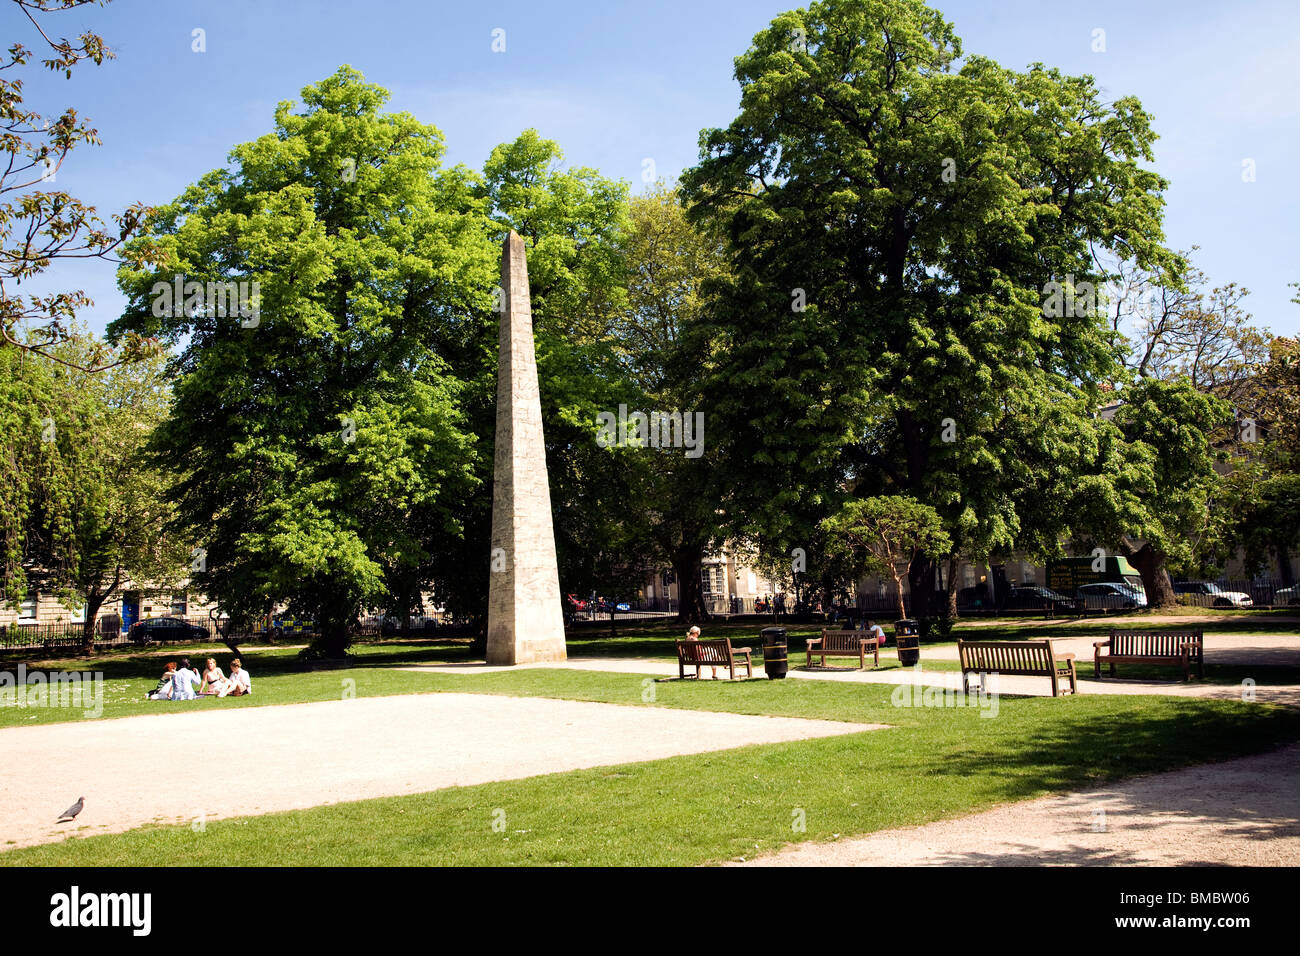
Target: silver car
x=1110, y=595
x=1287, y=596
x=1209, y=594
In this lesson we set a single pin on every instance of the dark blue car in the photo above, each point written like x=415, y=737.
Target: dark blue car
x=158, y=630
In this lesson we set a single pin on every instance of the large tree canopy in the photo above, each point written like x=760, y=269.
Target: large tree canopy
x=318, y=435
x=913, y=245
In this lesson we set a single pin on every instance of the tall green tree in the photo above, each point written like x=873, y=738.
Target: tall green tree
x=679, y=502
x=911, y=306
x=319, y=431
x=573, y=222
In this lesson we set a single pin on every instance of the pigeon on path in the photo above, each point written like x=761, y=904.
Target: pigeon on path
x=70, y=814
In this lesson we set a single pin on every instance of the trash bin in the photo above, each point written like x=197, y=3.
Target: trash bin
x=907, y=637
x=775, y=657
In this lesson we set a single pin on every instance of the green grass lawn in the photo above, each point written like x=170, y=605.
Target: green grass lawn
x=932, y=763
x=280, y=679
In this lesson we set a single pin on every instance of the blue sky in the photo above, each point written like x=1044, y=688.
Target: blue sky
x=616, y=83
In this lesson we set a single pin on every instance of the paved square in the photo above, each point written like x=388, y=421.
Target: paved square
x=178, y=767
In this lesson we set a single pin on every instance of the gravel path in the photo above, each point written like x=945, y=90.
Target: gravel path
x=1244, y=812
x=191, y=767
x=1288, y=650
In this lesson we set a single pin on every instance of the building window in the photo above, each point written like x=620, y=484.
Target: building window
x=77, y=615
x=711, y=580
x=28, y=609
x=179, y=606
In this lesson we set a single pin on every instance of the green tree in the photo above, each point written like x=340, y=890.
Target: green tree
x=1266, y=476
x=319, y=427
x=41, y=224
x=680, y=505
x=96, y=512
x=1170, y=424
x=573, y=222
x=912, y=302
x=885, y=535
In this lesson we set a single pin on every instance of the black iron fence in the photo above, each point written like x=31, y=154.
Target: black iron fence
x=1011, y=600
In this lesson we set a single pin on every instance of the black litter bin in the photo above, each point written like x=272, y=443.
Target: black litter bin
x=775, y=656
x=907, y=637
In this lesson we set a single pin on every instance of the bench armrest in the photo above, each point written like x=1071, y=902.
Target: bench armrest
x=742, y=650
x=1101, y=644
x=1065, y=657
x=813, y=640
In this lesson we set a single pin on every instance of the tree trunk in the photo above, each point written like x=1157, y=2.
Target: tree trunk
x=333, y=637
x=94, y=601
x=920, y=576
x=93, y=604
x=952, y=590
x=1155, y=579
x=690, y=606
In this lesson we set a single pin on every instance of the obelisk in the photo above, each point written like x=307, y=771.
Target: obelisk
x=525, y=620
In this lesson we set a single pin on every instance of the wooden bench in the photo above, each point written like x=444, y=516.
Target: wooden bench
x=843, y=644
x=1180, y=648
x=717, y=652
x=1018, y=658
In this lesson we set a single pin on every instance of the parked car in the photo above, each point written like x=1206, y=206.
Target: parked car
x=391, y=624
x=1036, y=597
x=1105, y=595
x=1208, y=594
x=1288, y=596
x=156, y=630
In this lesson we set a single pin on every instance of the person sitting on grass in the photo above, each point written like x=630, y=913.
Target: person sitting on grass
x=164, y=689
x=183, y=681
x=694, y=635
x=214, y=682
x=239, y=681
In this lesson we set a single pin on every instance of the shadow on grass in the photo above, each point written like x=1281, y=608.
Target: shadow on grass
x=1113, y=738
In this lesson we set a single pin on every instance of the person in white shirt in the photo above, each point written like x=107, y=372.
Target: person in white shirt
x=183, y=681
x=876, y=631
x=239, y=682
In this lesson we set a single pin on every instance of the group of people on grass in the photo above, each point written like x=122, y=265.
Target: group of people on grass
x=178, y=683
